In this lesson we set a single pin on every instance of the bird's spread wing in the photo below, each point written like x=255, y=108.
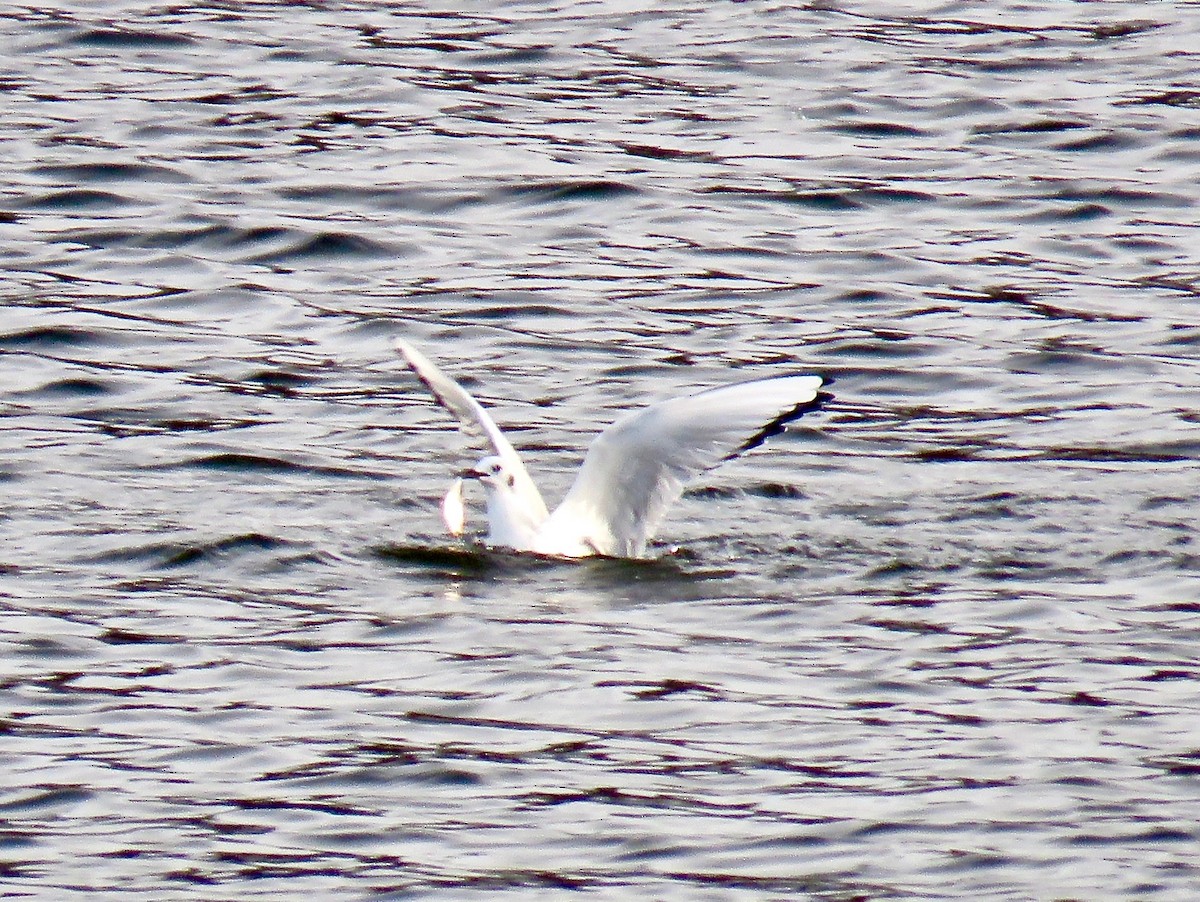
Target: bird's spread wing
x=638, y=467
x=476, y=422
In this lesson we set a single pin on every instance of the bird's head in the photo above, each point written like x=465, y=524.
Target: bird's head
x=493, y=473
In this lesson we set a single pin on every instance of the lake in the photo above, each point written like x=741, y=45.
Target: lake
x=936, y=641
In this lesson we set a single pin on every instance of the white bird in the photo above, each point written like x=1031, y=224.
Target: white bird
x=633, y=471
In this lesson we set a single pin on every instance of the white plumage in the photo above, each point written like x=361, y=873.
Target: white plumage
x=633, y=471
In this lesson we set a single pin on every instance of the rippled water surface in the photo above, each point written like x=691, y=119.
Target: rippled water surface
x=939, y=640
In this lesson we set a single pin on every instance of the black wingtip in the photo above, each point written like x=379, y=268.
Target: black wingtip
x=778, y=424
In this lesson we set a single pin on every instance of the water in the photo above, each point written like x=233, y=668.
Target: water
x=938, y=641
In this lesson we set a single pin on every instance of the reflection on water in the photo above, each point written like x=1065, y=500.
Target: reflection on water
x=952, y=614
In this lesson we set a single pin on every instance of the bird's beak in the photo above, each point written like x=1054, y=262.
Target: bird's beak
x=470, y=473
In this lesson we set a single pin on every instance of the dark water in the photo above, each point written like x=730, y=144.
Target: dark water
x=938, y=641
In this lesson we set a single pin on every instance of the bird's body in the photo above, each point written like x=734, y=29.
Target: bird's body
x=633, y=471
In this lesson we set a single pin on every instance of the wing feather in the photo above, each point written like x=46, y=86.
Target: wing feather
x=639, y=466
x=475, y=422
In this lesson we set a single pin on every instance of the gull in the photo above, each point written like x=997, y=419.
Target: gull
x=633, y=471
